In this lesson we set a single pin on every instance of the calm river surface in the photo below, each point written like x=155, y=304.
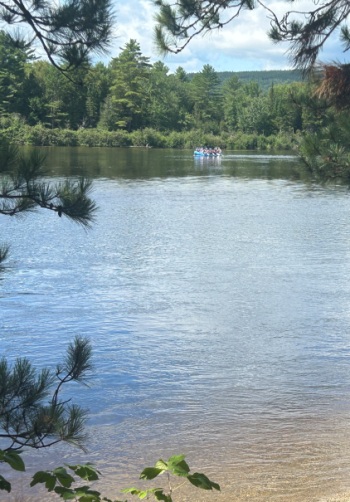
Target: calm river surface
x=216, y=294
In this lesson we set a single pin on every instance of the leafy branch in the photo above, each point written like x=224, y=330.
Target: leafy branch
x=176, y=466
x=61, y=480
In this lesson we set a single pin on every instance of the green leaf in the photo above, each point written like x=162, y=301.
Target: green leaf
x=44, y=477
x=178, y=466
x=85, y=490
x=176, y=459
x=150, y=473
x=160, y=495
x=39, y=477
x=216, y=486
x=89, y=497
x=133, y=491
x=65, y=493
x=161, y=465
x=143, y=494
x=180, y=470
x=63, y=477
x=4, y=484
x=86, y=471
x=50, y=483
x=14, y=460
x=202, y=481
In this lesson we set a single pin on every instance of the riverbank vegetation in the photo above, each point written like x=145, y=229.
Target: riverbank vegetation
x=130, y=102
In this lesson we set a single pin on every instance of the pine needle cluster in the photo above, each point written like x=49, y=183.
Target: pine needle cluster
x=32, y=413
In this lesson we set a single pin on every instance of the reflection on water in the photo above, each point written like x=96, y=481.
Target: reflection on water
x=141, y=163
x=217, y=303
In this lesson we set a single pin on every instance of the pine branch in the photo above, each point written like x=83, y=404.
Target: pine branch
x=24, y=419
x=24, y=188
x=67, y=32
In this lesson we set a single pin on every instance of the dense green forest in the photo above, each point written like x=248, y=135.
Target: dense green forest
x=130, y=102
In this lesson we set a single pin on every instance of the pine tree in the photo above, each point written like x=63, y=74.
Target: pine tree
x=130, y=73
x=23, y=189
x=12, y=74
x=68, y=32
x=32, y=413
x=207, y=98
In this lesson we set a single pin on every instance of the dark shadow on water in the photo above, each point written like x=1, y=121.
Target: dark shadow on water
x=145, y=163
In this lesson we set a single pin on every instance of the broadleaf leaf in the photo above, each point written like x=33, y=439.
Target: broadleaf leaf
x=4, y=484
x=150, y=473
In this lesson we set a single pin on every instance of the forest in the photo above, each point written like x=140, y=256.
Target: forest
x=130, y=102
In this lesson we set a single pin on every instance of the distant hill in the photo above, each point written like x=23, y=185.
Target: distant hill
x=264, y=78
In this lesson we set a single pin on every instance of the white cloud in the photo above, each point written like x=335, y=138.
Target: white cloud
x=241, y=45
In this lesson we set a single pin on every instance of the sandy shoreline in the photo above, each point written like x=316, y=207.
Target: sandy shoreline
x=231, y=491
x=300, y=475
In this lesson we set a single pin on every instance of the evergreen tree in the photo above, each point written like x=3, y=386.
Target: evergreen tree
x=129, y=74
x=181, y=75
x=166, y=109
x=13, y=58
x=68, y=32
x=286, y=107
x=207, y=99
x=97, y=83
x=64, y=100
x=230, y=97
x=326, y=152
x=183, y=90
x=108, y=115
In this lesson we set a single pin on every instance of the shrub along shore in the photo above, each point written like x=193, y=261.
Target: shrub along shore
x=39, y=135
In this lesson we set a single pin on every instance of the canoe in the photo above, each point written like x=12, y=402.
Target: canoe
x=197, y=153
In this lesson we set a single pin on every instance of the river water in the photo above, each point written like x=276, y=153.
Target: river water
x=216, y=294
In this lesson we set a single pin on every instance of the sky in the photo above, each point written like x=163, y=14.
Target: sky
x=241, y=45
